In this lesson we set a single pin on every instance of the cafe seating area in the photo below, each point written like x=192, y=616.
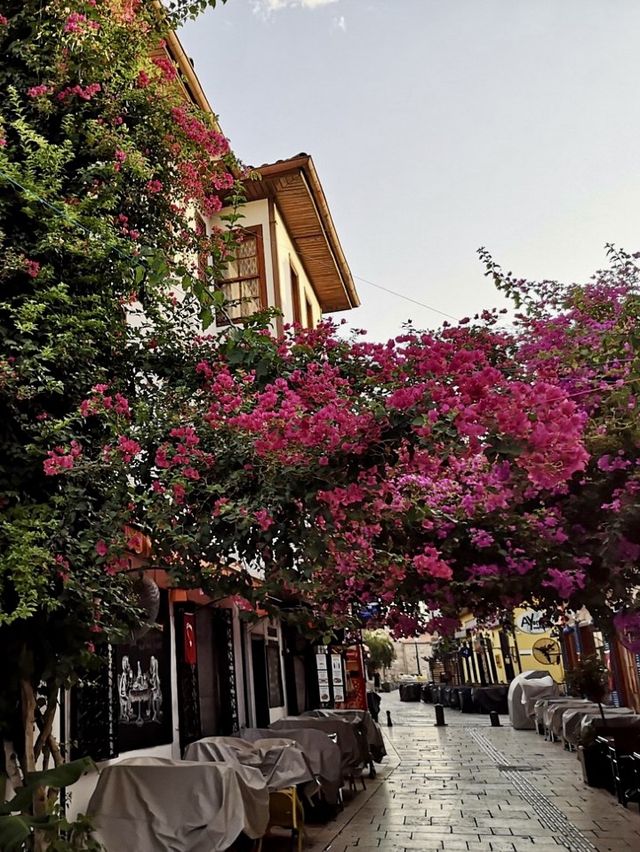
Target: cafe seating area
x=229, y=793
x=468, y=698
x=606, y=741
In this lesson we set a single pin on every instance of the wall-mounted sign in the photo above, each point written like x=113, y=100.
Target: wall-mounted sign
x=530, y=621
x=547, y=652
x=336, y=670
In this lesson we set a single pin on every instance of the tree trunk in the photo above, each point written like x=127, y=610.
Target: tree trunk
x=28, y=701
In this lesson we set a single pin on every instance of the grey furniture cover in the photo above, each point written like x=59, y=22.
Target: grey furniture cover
x=589, y=723
x=542, y=704
x=321, y=752
x=572, y=719
x=552, y=716
x=363, y=720
x=347, y=739
x=154, y=804
x=281, y=761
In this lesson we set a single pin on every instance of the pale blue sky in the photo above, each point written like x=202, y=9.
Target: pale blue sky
x=438, y=126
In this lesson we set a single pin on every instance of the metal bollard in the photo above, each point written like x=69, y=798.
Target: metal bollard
x=495, y=719
x=389, y=722
x=440, y=722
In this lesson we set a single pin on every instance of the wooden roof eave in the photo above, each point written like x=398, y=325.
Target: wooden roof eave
x=295, y=187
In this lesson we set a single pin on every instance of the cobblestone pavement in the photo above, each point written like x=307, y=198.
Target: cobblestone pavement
x=472, y=787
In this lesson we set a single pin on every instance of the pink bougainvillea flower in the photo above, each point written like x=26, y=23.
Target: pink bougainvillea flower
x=101, y=547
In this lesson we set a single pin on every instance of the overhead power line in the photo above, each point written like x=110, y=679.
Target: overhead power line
x=406, y=298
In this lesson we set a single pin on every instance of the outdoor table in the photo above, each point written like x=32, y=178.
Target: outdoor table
x=410, y=691
x=363, y=721
x=348, y=742
x=552, y=715
x=454, y=698
x=572, y=720
x=614, y=720
x=322, y=753
x=541, y=705
x=535, y=689
x=156, y=804
x=426, y=693
x=281, y=761
x=488, y=698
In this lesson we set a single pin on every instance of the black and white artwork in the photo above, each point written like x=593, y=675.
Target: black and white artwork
x=144, y=689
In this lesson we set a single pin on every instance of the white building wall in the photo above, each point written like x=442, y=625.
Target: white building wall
x=81, y=791
x=257, y=213
x=289, y=258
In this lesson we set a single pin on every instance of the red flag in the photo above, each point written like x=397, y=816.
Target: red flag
x=189, y=629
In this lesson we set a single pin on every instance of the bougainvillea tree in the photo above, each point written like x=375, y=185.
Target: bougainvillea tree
x=351, y=474
x=467, y=467
x=102, y=159
x=585, y=341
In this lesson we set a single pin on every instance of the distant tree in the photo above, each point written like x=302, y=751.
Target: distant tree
x=381, y=650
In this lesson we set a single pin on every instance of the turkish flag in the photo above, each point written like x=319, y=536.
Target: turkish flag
x=189, y=633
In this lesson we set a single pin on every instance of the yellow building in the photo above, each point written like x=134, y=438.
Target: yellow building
x=494, y=655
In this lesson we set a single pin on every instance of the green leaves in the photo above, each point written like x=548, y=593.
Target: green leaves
x=16, y=823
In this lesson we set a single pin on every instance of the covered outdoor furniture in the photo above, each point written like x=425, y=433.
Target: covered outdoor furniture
x=552, y=716
x=322, y=753
x=281, y=761
x=533, y=689
x=347, y=739
x=465, y=700
x=541, y=705
x=576, y=722
x=490, y=698
x=518, y=715
x=364, y=723
x=410, y=691
x=158, y=804
x=572, y=720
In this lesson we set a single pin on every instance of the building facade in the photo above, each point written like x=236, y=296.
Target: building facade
x=203, y=669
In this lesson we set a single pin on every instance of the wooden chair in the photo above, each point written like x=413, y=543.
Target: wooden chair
x=355, y=775
x=285, y=811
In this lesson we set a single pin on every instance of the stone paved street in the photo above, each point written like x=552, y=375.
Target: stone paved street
x=472, y=787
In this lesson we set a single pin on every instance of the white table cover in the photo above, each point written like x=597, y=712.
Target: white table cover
x=160, y=805
x=534, y=689
x=281, y=761
x=517, y=716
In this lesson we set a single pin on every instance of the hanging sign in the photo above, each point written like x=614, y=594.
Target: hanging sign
x=530, y=621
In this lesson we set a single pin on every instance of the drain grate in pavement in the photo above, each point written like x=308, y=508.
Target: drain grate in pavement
x=549, y=814
x=518, y=768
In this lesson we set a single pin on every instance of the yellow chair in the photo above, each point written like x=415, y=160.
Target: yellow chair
x=285, y=811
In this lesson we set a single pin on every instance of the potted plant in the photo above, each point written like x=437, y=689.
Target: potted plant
x=590, y=679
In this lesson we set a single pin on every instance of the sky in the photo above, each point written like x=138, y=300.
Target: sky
x=438, y=127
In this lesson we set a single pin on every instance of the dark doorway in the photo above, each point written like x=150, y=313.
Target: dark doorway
x=208, y=674
x=260, y=682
